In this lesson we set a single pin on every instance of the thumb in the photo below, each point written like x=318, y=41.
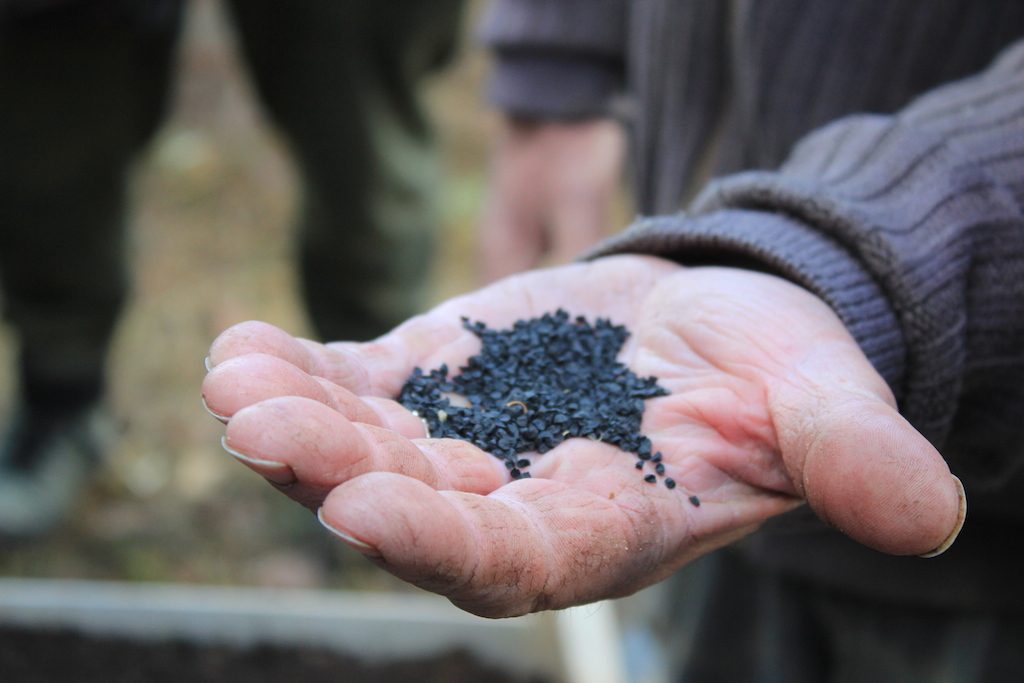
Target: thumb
x=866, y=471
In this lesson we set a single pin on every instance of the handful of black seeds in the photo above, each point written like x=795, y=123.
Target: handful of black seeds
x=532, y=387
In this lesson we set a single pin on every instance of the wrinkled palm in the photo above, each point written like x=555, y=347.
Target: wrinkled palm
x=771, y=404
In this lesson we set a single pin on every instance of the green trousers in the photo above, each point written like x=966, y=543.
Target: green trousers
x=83, y=87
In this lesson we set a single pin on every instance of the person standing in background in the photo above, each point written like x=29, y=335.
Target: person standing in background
x=708, y=89
x=839, y=323
x=85, y=84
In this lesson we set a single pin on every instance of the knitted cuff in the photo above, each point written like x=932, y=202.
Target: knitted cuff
x=561, y=87
x=782, y=246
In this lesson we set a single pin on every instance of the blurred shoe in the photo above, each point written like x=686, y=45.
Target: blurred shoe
x=46, y=461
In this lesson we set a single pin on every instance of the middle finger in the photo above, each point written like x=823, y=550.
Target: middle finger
x=306, y=449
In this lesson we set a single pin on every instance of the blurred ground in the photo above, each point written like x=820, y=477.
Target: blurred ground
x=211, y=247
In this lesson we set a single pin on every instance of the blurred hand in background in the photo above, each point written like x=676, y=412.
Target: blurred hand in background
x=551, y=195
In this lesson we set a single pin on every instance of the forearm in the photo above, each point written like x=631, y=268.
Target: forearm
x=911, y=227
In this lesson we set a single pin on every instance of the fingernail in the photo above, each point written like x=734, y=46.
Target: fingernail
x=961, y=516
x=222, y=418
x=207, y=364
x=277, y=472
x=351, y=541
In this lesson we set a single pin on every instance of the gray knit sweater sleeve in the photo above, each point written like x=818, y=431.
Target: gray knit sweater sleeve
x=555, y=59
x=911, y=227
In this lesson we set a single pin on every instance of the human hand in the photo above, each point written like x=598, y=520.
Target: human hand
x=552, y=186
x=771, y=403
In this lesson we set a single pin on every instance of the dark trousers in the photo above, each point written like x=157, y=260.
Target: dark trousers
x=758, y=627
x=84, y=85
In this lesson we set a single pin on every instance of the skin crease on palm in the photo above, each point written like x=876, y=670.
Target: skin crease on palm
x=771, y=405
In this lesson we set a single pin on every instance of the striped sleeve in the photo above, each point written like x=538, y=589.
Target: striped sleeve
x=910, y=226
x=555, y=59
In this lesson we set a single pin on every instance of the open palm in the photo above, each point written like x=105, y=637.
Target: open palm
x=770, y=404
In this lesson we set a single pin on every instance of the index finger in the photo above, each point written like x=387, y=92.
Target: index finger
x=379, y=367
x=608, y=287
x=376, y=368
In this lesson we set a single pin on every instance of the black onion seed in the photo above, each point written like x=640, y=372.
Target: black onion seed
x=650, y=479
x=670, y=482
x=534, y=385
x=695, y=501
x=659, y=468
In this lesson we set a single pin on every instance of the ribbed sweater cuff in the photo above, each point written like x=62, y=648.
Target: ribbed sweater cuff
x=780, y=245
x=554, y=86
x=583, y=26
